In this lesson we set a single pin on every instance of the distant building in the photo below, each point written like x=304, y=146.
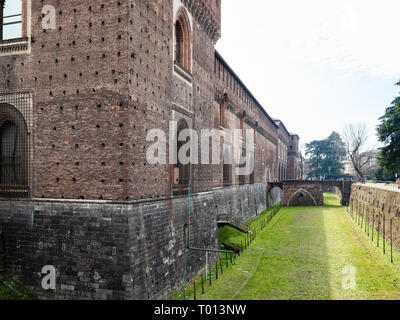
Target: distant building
x=348, y=169
x=368, y=162
x=295, y=160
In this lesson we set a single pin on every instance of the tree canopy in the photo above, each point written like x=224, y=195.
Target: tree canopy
x=326, y=157
x=389, y=134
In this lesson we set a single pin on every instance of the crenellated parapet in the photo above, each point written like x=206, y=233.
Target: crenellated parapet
x=208, y=15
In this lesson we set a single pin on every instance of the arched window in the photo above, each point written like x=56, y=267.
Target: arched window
x=179, y=43
x=13, y=153
x=183, y=48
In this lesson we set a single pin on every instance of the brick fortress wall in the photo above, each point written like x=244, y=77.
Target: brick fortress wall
x=97, y=84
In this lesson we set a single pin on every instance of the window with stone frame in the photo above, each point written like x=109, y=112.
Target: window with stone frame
x=12, y=19
x=227, y=166
x=227, y=174
x=222, y=113
x=183, y=170
x=252, y=161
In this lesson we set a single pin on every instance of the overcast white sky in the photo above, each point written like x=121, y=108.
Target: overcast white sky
x=316, y=64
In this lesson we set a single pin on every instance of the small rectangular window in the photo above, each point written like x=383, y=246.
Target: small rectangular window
x=11, y=19
x=222, y=111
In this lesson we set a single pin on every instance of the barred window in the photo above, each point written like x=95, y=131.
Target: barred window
x=13, y=153
x=10, y=151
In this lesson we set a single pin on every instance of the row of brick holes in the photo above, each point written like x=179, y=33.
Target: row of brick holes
x=99, y=107
x=88, y=57
x=103, y=39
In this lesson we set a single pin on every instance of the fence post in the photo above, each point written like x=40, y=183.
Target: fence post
x=379, y=226
x=384, y=233
x=216, y=270
x=357, y=216
x=194, y=290
x=210, y=275
x=391, y=240
x=202, y=284
x=362, y=218
x=373, y=225
x=220, y=264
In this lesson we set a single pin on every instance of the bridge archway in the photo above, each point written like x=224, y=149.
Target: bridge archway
x=302, y=198
x=275, y=196
x=311, y=192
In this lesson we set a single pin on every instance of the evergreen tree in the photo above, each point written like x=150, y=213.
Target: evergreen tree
x=389, y=134
x=326, y=157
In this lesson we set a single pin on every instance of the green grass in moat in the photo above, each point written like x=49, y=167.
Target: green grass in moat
x=301, y=255
x=12, y=290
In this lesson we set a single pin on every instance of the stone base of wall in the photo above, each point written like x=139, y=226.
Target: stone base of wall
x=117, y=250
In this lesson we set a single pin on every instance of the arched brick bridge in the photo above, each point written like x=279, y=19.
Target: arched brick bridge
x=310, y=192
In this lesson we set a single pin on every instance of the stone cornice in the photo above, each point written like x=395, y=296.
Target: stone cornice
x=204, y=16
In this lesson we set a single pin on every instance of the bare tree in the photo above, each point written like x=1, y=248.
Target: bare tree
x=361, y=157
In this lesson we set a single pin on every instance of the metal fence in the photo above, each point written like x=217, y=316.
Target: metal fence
x=386, y=185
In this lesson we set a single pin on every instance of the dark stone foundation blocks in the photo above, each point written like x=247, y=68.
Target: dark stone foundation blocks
x=117, y=250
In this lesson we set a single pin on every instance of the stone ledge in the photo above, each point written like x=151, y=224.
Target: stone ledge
x=14, y=46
